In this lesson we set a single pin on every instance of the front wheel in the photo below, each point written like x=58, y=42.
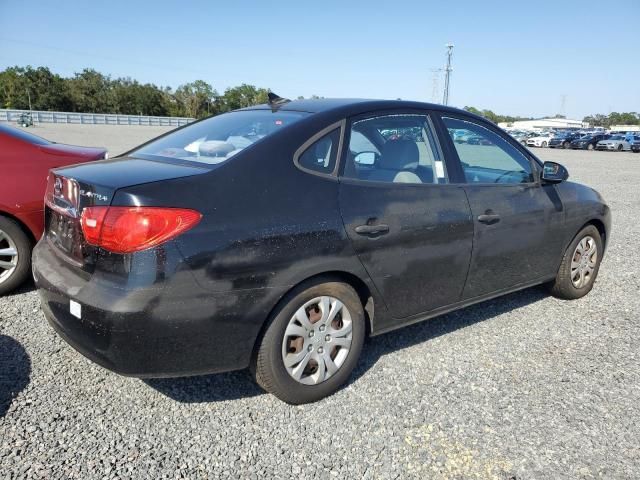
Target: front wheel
x=580, y=265
x=15, y=255
x=544, y=145
x=565, y=145
x=312, y=343
x=590, y=146
x=620, y=147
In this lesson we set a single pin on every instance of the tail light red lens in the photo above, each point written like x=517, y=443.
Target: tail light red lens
x=132, y=229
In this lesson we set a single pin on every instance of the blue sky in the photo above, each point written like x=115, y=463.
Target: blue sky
x=512, y=57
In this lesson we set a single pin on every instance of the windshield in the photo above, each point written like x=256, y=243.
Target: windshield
x=217, y=139
x=617, y=137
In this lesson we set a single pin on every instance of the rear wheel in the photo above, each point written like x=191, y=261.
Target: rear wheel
x=15, y=255
x=565, y=145
x=312, y=344
x=580, y=265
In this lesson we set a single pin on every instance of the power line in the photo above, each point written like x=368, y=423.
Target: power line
x=447, y=74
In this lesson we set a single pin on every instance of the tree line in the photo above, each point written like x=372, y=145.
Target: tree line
x=598, y=120
x=90, y=91
x=93, y=92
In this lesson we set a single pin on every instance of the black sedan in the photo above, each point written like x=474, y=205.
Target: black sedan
x=588, y=142
x=563, y=140
x=279, y=236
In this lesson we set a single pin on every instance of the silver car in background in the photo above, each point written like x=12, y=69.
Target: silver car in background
x=616, y=142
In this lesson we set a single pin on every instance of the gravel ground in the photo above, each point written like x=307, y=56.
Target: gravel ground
x=523, y=387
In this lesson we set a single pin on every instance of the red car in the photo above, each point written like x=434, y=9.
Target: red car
x=25, y=160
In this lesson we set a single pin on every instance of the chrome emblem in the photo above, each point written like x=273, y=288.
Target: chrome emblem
x=57, y=187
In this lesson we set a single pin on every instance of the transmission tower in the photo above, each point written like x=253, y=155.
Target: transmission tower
x=447, y=74
x=435, y=89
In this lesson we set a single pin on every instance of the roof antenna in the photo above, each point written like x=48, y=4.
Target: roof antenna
x=276, y=101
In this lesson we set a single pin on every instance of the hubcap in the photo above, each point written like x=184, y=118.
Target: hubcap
x=317, y=340
x=8, y=256
x=583, y=262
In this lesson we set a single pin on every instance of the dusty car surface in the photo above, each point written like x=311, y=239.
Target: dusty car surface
x=279, y=236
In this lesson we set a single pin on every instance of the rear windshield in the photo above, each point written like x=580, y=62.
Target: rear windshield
x=215, y=140
x=22, y=135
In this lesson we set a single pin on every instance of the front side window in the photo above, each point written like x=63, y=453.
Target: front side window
x=395, y=149
x=217, y=139
x=486, y=157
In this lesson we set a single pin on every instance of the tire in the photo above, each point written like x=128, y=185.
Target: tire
x=544, y=145
x=15, y=242
x=590, y=147
x=565, y=145
x=269, y=365
x=564, y=286
x=620, y=147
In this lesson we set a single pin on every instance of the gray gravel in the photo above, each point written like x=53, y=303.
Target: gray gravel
x=524, y=387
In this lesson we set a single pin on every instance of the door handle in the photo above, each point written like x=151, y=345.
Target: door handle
x=489, y=218
x=372, y=229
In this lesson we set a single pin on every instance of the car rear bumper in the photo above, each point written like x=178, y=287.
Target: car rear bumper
x=156, y=331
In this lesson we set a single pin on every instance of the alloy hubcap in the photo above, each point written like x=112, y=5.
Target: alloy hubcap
x=8, y=256
x=317, y=340
x=583, y=262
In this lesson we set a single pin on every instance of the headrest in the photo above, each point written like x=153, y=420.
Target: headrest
x=398, y=154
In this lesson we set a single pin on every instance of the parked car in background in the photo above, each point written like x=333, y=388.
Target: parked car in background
x=614, y=142
x=541, y=140
x=25, y=160
x=563, y=140
x=635, y=144
x=522, y=137
x=230, y=243
x=25, y=120
x=587, y=142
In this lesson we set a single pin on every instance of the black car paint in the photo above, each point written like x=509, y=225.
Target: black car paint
x=563, y=141
x=198, y=303
x=584, y=142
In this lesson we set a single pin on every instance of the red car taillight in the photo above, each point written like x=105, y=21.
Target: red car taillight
x=131, y=229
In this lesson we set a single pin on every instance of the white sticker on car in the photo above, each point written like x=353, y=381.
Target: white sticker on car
x=439, y=169
x=75, y=308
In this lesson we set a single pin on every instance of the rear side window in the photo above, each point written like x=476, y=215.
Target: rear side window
x=486, y=157
x=320, y=156
x=394, y=149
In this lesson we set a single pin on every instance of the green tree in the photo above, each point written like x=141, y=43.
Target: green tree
x=196, y=99
x=242, y=96
x=92, y=92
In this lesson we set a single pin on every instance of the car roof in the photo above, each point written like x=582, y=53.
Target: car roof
x=350, y=106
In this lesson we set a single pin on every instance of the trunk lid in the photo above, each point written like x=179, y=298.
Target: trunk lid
x=72, y=189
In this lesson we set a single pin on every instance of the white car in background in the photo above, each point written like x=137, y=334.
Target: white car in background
x=616, y=142
x=540, y=141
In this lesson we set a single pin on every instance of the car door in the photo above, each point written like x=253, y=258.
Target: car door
x=518, y=221
x=410, y=228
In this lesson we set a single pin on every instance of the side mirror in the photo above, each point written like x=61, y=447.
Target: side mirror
x=553, y=172
x=366, y=158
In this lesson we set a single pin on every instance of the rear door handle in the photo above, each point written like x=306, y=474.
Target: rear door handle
x=489, y=218
x=372, y=229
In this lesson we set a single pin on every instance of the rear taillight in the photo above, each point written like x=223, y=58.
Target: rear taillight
x=131, y=229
